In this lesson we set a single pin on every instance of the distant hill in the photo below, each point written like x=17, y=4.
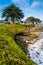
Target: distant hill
x=2, y=21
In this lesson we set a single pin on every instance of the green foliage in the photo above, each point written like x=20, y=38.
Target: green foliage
x=10, y=52
x=37, y=20
x=1, y=20
x=12, y=12
x=33, y=20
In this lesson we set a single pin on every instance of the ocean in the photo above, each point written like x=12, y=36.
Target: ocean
x=41, y=25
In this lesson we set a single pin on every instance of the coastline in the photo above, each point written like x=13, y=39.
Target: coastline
x=36, y=39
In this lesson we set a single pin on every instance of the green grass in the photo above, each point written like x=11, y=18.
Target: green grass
x=10, y=52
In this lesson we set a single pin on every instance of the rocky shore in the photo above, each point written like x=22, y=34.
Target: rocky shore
x=28, y=37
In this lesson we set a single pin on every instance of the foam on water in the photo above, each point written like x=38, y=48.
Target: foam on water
x=36, y=52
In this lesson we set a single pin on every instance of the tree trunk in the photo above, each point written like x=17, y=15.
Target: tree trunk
x=33, y=23
x=13, y=20
x=36, y=22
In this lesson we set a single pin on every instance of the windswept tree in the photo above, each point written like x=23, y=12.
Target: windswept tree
x=12, y=12
x=37, y=20
x=33, y=20
x=30, y=19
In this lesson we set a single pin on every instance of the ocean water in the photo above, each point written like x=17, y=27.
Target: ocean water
x=41, y=35
x=41, y=25
x=35, y=51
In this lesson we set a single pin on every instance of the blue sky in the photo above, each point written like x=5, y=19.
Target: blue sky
x=29, y=7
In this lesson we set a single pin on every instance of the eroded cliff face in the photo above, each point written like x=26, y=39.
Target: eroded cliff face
x=25, y=38
x=29, y=36
x=20, y=38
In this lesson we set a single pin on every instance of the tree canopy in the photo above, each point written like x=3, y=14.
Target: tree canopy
x=33, y=20
x=37, y=20
x=12, y=12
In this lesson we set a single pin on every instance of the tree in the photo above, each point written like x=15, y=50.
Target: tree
x=12, y=12
x=37, y=20
x=33, y=20
x=30, y=19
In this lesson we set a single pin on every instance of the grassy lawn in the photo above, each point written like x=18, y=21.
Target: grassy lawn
x=10, y=52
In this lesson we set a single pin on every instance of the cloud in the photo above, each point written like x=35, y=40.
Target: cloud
x=26, y=7
x=16, y=1
x=42, y=4
x=23, y=4
x=35, y=4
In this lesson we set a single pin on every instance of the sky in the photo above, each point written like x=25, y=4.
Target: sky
x=28, y=7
